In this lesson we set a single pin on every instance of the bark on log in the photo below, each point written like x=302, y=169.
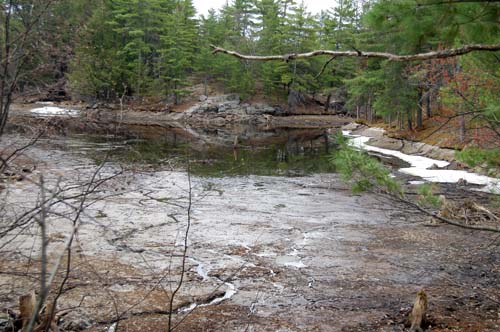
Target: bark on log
x=389, y=56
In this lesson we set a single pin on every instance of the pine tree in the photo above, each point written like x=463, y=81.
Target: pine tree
x=178, y=48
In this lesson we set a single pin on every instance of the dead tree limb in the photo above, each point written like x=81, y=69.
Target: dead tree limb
x=324, y=67
x=432, y=214
x=447, y=53
x=452, y=2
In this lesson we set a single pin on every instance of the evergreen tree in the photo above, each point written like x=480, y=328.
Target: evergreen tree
x=178, y=48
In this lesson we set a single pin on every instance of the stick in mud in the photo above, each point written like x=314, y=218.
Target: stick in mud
x=418, y=314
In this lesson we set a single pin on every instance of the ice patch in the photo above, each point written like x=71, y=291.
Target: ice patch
x=53, y=110
x=420, y=166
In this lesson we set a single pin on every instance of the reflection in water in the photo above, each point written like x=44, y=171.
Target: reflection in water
x=237, y=150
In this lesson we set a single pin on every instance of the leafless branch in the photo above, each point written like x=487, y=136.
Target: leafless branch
x=453, y=52
x=46, y=283
x=14, y=153
x=184, y=254
x=324, y=67
x=451, y=2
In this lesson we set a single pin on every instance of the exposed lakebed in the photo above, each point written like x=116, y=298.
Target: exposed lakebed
x=266, y=252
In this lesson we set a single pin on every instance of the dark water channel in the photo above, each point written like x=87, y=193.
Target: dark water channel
x=238, y=150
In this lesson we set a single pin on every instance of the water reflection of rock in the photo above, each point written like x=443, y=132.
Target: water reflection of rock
x=293, y=141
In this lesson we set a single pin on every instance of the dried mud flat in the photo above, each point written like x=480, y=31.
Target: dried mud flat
x=265, y=254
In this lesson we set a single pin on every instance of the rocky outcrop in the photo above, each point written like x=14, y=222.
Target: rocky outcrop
x=219, y=110
x=230, y=105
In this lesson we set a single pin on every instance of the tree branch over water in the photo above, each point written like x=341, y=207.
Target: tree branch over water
x=447, y=53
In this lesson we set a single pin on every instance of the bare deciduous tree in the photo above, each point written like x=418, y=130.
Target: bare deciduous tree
x=15, y=49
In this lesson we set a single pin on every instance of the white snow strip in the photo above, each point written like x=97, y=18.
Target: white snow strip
x=415, y=161
x=420, y=166
x=53, y=110
x=229, y=294
x=453, y=176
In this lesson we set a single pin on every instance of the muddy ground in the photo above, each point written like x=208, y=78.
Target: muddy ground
x=265, y=253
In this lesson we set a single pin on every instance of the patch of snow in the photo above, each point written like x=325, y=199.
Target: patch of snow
x=290, y=261
x=298, y=264
x=53, y=110
x=122, y=288
x=45, y=102
x=453, y=176
x=201, y=271
x=189, y=308
x=227, y=295
x=418, y=162
x=420, y=166
x=112, y=328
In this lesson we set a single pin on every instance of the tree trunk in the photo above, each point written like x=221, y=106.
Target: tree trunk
x=369, y=108
x=428, y=103
x=462, y=128
x=410, y=120
x=420, y=110
x=327, y=104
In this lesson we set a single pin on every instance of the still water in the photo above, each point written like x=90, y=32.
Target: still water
x=241, y=150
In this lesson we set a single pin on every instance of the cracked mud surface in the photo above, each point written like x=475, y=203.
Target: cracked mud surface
x=265, y=254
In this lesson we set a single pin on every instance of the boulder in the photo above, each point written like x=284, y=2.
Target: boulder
x=261, y=109
x=387, y=143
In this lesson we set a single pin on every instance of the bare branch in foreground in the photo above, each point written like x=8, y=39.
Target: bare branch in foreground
x=452, y=52
x=185, y=249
